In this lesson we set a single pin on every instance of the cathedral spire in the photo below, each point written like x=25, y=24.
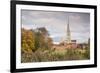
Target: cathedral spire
x=68, y=32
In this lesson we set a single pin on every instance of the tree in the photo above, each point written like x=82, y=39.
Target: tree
x=27, y=40
x=44, y=40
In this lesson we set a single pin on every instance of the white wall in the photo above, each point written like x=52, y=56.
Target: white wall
x=5, y=36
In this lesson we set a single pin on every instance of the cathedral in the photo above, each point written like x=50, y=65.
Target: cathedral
x=67, y=41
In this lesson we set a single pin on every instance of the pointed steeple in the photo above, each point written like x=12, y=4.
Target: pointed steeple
x=68, y=32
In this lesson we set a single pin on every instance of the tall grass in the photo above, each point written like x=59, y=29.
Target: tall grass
x=55, y=55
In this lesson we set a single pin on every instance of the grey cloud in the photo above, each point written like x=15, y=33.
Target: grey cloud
x=56, y=23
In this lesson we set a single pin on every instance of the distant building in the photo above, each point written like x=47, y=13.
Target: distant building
x=82, y=46
x=68, y=43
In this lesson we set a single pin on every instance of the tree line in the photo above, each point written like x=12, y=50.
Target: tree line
x=32, y=40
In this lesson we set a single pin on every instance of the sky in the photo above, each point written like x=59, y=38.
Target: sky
x=56, y=24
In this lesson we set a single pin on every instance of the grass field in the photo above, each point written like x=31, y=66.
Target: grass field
x=56, y=55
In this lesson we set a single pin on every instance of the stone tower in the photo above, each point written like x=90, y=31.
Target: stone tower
x=67, y=39
x=68, y=33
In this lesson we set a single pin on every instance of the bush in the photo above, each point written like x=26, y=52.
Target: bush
x=49, y=55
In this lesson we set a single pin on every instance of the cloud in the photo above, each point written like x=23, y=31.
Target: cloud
x=56, y=23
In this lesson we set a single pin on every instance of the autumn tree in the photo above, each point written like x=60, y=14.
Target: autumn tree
x=27, y=40
x=31, y=40
x=45, y=40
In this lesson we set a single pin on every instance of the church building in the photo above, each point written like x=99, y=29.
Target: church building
x=67, y=41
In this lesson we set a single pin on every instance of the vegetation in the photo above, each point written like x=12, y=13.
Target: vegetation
x=36, y=46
